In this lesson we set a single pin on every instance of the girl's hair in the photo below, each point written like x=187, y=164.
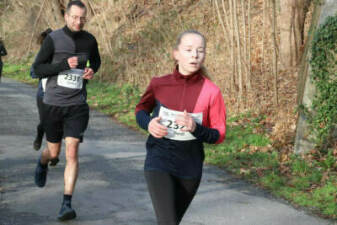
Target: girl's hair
x=178, y=41
x=182, y=34
x=43, y=35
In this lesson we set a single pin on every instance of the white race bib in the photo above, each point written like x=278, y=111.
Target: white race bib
x=71, y=78
x=168, y=118
x=44, y=83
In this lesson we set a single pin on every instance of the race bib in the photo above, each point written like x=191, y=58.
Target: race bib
x=71, y=79
x=44, y=83
x=168, y=118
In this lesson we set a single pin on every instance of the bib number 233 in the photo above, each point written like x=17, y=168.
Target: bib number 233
x=71, y=79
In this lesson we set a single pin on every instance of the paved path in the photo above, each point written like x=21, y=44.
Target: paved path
x=111, y=188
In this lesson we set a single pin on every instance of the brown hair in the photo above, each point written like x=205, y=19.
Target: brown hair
x=77, y=3
x=178, y=41
x=43, y=35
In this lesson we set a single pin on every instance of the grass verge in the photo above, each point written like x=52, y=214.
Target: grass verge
x=308, y=181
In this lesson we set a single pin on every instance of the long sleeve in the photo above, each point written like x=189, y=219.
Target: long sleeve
x=144, y=108
x=205, y=134
x=3, y=51
x=95, y=59
x=43, y=66
x=147, y=101
x=143, y=119
x=32, y=74
x=217, y=117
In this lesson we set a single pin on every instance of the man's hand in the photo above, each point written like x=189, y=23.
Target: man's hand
x=156, y=129
x=73, y=62
x=88, y=73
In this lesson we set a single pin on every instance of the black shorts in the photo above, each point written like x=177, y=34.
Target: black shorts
x=65, y=121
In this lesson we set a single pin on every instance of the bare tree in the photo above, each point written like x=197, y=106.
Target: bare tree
x=234, y=20
x=225, y=29
x=238, y=52
x=275, y=60
x=34, y=27
x=249, y=44
x=263, y=32
x=293, y=14
x=245, y=43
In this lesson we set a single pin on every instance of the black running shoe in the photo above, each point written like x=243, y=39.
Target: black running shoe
x=40, y=174
x=37, y=143
x=53, y=162
x=66, y=213
x=38, y=140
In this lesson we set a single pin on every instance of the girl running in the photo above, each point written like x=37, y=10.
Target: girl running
x=180, y=110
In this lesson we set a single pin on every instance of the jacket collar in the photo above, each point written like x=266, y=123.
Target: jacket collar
x=69, y=32
x=192, y=77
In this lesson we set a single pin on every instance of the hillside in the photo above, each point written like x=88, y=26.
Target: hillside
x=243, y=58
x=136, y=39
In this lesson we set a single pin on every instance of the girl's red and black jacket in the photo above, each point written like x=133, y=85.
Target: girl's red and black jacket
x=195, y=94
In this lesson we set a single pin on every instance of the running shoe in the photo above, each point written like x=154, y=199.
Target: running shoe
x=66, y=213
x=53, y=162
x=38, y=140
x=40, y=174
x=37, y=143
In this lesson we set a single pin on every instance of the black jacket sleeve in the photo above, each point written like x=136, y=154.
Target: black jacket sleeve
x=205, y=134
x=43, y=66
x=95, y=59
x=143, y=119
x=3, y=51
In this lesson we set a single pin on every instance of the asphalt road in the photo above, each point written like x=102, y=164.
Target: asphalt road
x=111, y=189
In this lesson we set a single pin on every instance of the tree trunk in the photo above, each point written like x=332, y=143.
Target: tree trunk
x=249, y=76
x=233, y=57
x=275, y=47
x=293, y=13
x=238, y=53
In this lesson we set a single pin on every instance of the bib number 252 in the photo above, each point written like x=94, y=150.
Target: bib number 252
x=171, y=124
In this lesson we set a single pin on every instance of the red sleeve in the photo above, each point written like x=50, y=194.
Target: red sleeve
x=147, y=101
x=217, y=116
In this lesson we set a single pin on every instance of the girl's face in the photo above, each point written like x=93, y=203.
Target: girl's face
x=190, y=54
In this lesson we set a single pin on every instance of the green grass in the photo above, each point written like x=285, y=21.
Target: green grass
x=115, y=100
x=308, y=183
x=19, y=72
x=246, y=151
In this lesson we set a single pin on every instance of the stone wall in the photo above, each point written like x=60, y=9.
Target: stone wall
x=303, y=139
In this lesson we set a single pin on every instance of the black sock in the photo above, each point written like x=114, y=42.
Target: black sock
x=44, y=166
x=67, y=200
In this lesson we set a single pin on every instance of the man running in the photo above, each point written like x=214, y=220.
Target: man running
x=39, y=96
x=63, y=58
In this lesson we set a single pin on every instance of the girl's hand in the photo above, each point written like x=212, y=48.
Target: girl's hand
x=186, y=121
x=156, y=129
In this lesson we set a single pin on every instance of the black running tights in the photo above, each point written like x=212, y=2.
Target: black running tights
x=170, y=195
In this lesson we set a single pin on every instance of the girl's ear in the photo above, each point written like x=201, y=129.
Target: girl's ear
x=175, y=54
